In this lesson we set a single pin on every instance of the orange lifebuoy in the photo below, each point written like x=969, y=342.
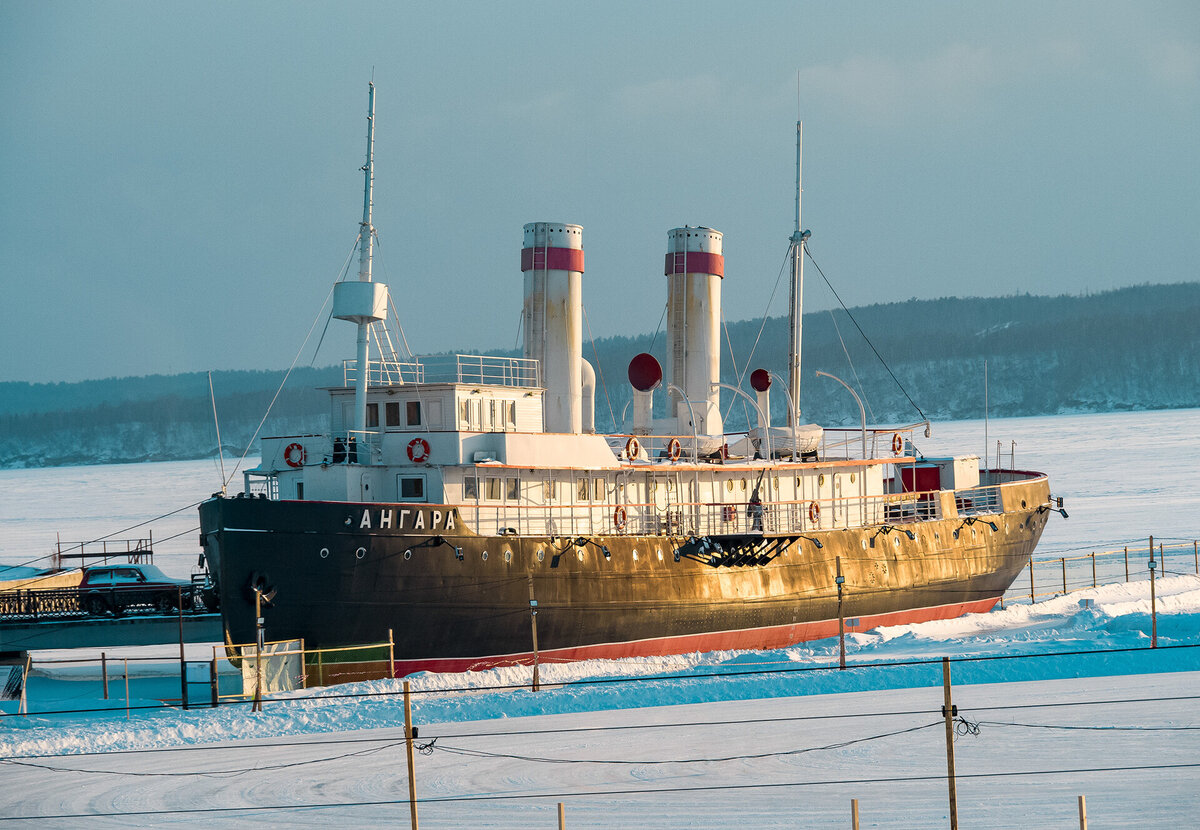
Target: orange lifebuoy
x=897, y=443
x=619, y=518
x=814, y=511
x=632, y=448
x=418, y=450
x=674, y=449
x=294, y=455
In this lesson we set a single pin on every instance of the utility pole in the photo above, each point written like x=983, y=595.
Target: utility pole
x=949, y=711
x=533, y=624
x=1153, y=606
x=409, y=734
x=841, y=581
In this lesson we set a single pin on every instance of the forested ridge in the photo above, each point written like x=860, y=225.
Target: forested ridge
x=1133, y=348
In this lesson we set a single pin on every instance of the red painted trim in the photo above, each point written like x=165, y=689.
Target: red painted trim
x=694, y=262
x=772, y=637
x=552, y=259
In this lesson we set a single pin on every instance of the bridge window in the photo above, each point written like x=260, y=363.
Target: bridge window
x=412, y=488
x=392, y=411
x=412, y=411
x=512, y=489
x=581, y=489
x=372, y=415
x=470, y=487
x=493, y=489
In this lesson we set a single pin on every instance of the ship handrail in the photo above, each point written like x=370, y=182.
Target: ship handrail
x=778, y=516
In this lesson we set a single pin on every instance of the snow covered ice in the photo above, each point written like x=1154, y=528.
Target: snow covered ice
x=640, y=743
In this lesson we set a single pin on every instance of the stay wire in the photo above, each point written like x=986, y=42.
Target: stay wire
x=864, y=334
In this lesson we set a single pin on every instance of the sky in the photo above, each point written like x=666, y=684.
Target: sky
x=180, y=183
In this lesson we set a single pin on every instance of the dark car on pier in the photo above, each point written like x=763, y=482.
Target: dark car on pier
x=114, y=588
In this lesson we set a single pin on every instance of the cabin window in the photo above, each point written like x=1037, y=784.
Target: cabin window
x=470, y=487
x=512, y=489
x=492, y=421
x=598, y=489
x=510, y=414
x=412, y=411
x=493, y=489
x=391, y=412
x=412, y=488
x=581, y=489
x=464, y=414
x=548, y=489
x=372, y=415
x=299, y=491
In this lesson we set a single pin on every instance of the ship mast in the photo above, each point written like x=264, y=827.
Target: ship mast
x=366, y=244
x=796, y=306
x=363, y=301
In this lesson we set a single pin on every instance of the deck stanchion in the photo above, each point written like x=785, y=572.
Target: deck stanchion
x=948, y=712
x=409, y=734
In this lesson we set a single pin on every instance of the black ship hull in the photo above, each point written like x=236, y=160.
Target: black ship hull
x=346, y=574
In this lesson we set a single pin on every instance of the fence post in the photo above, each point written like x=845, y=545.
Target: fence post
x=854, y=813
x=841, y=580
x=1127, y=563
x=104, y=672
x=1082, y=813
x=1093, y=569
x=1062, y=560
x=948, y=712
x=1031, y=600
x=562, y=816
x=212, y=679
x=1153, y=606
x=1196, y=555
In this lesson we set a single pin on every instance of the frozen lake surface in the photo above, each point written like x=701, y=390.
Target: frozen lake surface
x=760, y=739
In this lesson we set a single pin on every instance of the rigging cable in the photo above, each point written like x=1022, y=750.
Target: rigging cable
x=864, y=334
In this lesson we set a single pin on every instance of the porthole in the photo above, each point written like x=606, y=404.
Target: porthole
x=580, y=555
x=852, y=478
x=1022, y=503
x=350, y=519
x=821, y=480
x=973, y=534
x=864, y=543
x=485, y=556
x=508, y=556
x=729, y=485
x=408, y=554
x=360, y=553
x=659, y=554
x=776, y=484
x=797, y=482
x=743, y=483
x=324, y=553
x=541, y=555
x=895, y=541
x=635, y=555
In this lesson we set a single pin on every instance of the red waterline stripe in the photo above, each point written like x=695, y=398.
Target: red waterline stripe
x=772, y=637
x=694, y=262
x=552, y=259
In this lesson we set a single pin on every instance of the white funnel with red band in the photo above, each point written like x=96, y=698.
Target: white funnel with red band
x=694, y=268
x=552, y=318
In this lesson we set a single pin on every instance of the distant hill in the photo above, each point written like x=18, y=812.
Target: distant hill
x=1133, y=348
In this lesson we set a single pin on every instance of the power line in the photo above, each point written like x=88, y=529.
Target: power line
x=905, y=779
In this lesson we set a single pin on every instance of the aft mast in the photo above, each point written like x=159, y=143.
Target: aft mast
x=796, y=306
x=363, y=302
